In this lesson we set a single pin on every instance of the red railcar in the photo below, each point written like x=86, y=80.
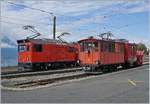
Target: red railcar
x=45, y=53
x=133, y=56
x=139, y=55
x=96, y=53
x=106, y=53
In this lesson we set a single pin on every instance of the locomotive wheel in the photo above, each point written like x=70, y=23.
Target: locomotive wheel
x=105, y=69
x=126, y=66
x=41, y=67
x=111, y=68
x=46, y=67
x=114, y=68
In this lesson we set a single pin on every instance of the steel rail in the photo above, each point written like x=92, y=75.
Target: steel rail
x=27, y=74
x=59, y=77
x=51, y=80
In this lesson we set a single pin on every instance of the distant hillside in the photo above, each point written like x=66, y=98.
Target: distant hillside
x=7, y=40
x=8, y=56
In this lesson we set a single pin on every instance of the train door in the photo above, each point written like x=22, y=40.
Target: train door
x=104, y=54
x=87, y=51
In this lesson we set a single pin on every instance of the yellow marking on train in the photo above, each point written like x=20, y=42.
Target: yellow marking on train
x=132, y=82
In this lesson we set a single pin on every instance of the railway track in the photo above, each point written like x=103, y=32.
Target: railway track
x=27, y=74
x=17, y=72
x=31, y=81
x=51, y=80
x=49, y=72
x=146, y=59
x=37, y=80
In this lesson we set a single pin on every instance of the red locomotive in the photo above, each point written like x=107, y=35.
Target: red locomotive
x=107, y=54
x=45, y=53
x=42, y=54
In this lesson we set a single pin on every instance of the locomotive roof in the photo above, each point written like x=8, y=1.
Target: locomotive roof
x=113, y=40
x=41, y=41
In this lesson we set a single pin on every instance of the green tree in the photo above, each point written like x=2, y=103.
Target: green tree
x=142, y=47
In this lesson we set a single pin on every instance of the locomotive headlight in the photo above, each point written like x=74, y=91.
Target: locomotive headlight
x=28, y=58
x=97, y=62
x=78, y=61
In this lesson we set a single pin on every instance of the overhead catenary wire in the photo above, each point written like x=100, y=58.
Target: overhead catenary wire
x=22, y=19
x=119, y=28
x=36, y=9
x=44, y=11
x=27, y=20
x=123, y=26
x=12, y=23
x=127, y=25
x=25, y=6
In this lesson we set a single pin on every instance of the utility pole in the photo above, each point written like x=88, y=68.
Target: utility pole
x=54, y=27
x=37, y=9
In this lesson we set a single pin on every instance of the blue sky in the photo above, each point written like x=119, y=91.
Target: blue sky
x=124, y=18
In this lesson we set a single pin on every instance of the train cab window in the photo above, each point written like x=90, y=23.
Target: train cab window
x=37, y=48
x=95, y=46
x=101, y=43
x=130, y=48
x=81, y=46
x=121, y=48
x=27, y=47
x=106, y=46
x=134, y=48
x=109, y=47
x=23, y=48
x=113, y=47
x=71, y=49
x=85, y=46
